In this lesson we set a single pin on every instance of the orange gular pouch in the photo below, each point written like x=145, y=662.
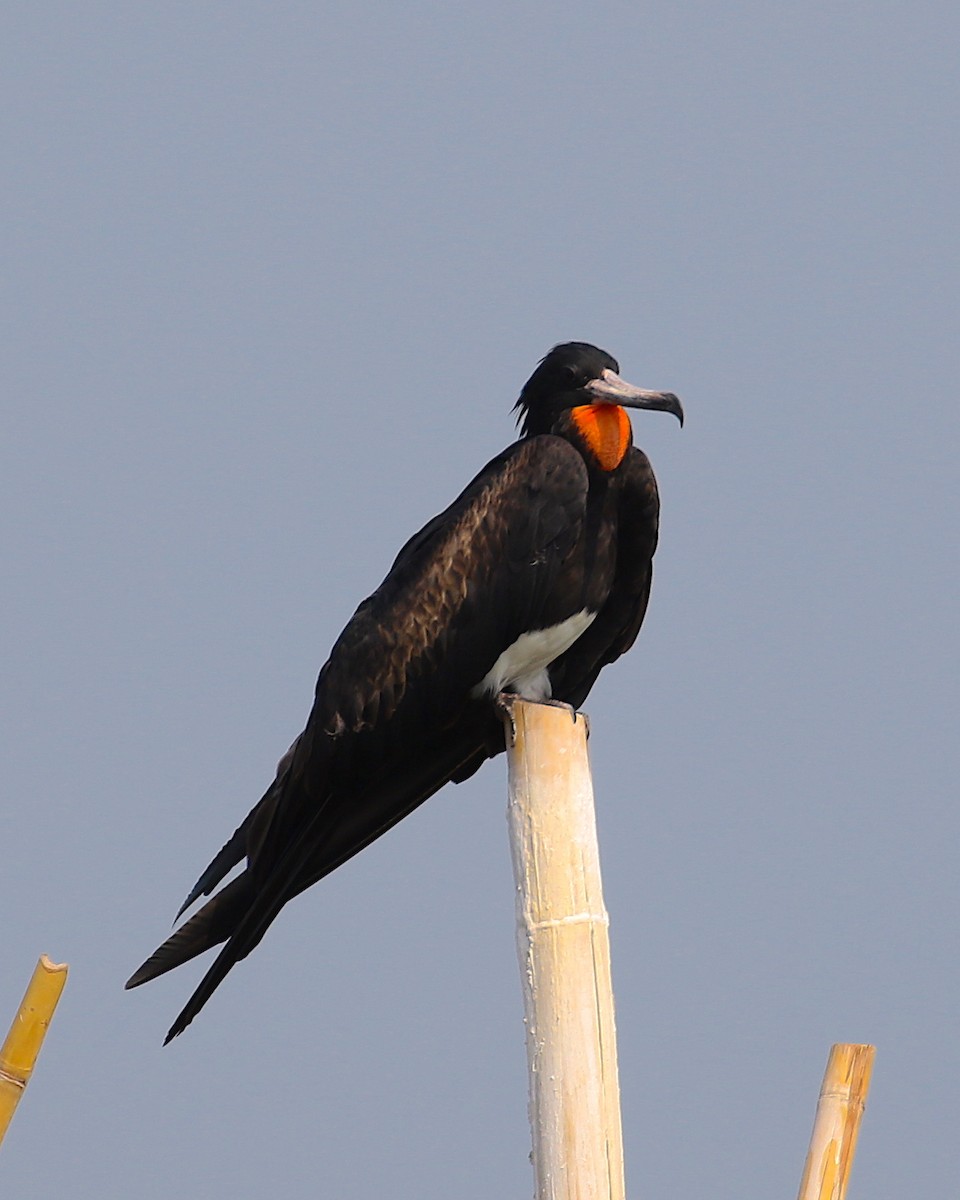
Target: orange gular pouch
x=606, y=430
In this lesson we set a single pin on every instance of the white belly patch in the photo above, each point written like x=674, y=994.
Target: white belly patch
x=522, y=667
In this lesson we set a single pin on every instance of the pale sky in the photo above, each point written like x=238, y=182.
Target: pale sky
x=273, y=277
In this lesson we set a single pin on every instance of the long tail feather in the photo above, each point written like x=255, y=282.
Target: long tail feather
x=310, y=848
x=232, y=852
x=213, y=924
x=261, y=911
x=237, y=848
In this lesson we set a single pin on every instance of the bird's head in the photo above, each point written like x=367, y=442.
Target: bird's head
x=577, y=375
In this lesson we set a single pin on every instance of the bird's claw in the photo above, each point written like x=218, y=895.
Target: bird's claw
x=506, y=700
x=504, y=705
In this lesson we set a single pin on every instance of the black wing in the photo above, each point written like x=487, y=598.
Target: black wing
x=393, y=717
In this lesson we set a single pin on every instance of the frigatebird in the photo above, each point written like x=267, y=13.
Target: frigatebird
x=533, y=579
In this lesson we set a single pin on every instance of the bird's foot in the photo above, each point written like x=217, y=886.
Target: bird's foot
x=574, y=714
x=506, y=700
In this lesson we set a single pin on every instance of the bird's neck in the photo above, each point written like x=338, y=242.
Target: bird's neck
x=603, y=432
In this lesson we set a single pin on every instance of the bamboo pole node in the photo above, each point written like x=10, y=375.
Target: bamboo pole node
x=840, y=1108
x=18, y=1055
x=564, y=950
x=575, y=919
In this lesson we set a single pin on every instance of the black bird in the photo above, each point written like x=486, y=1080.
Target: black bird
x=534, y=578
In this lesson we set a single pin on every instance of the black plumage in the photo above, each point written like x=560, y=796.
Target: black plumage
x=532, y=580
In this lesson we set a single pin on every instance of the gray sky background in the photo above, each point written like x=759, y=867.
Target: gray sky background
x=273, y=276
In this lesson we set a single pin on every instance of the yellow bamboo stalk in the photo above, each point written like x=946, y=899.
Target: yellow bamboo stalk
x=843, y=1095
x=19, y=1052
x=564, y=951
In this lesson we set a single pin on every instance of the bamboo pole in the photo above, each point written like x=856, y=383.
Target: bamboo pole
x=564, y=951
x=19, y=1052
x=843, y=1095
